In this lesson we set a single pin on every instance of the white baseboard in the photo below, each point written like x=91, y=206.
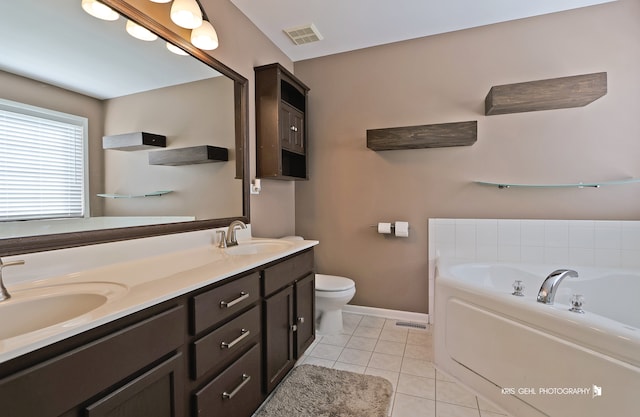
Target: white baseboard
x=387, y=314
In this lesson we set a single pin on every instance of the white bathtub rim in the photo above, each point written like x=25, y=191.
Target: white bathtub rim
x=621, y=342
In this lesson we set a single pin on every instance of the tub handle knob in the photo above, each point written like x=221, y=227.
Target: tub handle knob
x=518, y=287
x=577, y=300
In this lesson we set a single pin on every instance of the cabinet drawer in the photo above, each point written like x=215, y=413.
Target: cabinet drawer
x=284, y=273
x=220, y=303
x=235, y=392
x=218, y=347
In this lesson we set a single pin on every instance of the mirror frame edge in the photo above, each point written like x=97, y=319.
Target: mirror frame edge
x=40, y=243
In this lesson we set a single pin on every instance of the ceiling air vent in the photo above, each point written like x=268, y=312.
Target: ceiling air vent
x=304, y=34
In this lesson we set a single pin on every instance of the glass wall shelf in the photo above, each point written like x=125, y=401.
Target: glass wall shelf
x=151, y=194
x=566, y=185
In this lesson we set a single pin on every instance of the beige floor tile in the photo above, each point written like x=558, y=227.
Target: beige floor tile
x=451, y=410
x=377, y=322
x=336, y=340
x=310, y=360
x=453, y=393
x=417, y=386
x=349, y=367
x=441, y=376
x=370, y=332
x=418, y=367
x=423, y=352
x=385, y=362
x=355, y=357
x=484, y=413
x=389, y=347
x=394, y=335
x=487, y=406
x=323, y=351
x=419, y=338
x=409, y=406
x=362, y=343
x=389, y=375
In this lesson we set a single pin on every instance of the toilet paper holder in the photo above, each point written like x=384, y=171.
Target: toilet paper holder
x=392, y=226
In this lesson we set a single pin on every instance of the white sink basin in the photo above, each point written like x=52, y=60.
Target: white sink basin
x=30, y=310
x=258, y=246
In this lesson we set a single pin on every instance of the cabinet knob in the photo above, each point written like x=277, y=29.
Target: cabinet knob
x=301, y=320
x=293, y=129
x=294, y=327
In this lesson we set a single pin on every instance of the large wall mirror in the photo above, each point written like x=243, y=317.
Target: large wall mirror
x=56, y=57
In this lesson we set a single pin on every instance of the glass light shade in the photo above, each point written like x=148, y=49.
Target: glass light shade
x=186, y=14
x=99, y=10
x=205, y=36
x=140, y=32
x=175, y=49
x=161, y=1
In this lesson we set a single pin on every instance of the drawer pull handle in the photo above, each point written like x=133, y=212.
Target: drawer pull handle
x=229, y=395
x=229, y=304
x=243, y=334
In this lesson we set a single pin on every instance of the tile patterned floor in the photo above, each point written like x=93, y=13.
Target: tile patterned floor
x=376, y=346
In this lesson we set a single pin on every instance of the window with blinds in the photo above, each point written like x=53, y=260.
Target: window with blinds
x=42, y=163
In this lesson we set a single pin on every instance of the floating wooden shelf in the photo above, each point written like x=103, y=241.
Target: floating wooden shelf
x=425, y=136
x=133, y=141
x=555, y=93
x=188, y=156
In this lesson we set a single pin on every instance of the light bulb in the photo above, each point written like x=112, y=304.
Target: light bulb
x=161, y=1
x=99, y=10
x=140, y=32
x=186, y=14
x=204, y=37
x=175, y=49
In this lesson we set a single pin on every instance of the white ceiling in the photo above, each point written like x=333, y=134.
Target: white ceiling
x=347, y=25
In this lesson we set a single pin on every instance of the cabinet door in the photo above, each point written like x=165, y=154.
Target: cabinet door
x=278, y=347
x=291, y=128
x=157, y=393
x=305, y=313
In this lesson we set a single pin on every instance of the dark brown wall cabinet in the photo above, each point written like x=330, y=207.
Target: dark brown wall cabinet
x=281, y=119
x=202, y=354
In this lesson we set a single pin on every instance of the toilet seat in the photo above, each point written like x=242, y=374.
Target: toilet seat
x=332, y=283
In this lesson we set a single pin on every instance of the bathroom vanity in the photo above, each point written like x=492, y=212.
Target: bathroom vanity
x=206, y=339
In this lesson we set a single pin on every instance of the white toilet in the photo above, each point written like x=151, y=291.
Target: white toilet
x=332, y=293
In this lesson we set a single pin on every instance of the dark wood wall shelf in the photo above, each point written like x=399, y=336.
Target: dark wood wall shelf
x=134, y=141
x=555, y=93
x=189, y=156
x=425, y=136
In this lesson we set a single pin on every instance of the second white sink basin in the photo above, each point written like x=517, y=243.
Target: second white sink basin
x=34, y=309
x=258, y=246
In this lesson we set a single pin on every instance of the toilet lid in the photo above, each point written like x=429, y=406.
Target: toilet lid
x=333, y=283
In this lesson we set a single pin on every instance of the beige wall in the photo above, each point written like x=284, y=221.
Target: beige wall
x=445, y=78
x=191, y=114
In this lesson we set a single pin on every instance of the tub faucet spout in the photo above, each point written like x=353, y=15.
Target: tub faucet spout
x=548, y=289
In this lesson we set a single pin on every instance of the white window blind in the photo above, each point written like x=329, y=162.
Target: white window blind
x=42, y=163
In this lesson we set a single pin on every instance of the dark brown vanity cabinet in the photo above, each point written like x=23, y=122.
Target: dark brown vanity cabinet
x=214, y=351
x=281, y=115
x=289, y=308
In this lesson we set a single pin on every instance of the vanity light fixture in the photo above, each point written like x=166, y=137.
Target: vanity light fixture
x=140, y=32
x=99, y=10
x=205, y=37
x=176, y=50
x=186, y=13
x=161, y=1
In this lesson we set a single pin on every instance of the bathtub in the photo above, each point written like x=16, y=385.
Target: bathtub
x=532, y=359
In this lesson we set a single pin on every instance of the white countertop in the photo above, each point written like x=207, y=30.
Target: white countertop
x=136, y=285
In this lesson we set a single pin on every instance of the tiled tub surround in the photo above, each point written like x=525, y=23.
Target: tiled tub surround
x=598, y=243
x=151, y=270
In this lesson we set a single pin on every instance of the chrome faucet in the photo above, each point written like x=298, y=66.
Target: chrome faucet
x=232, y=240
x=548, y=289
x=4, y=294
